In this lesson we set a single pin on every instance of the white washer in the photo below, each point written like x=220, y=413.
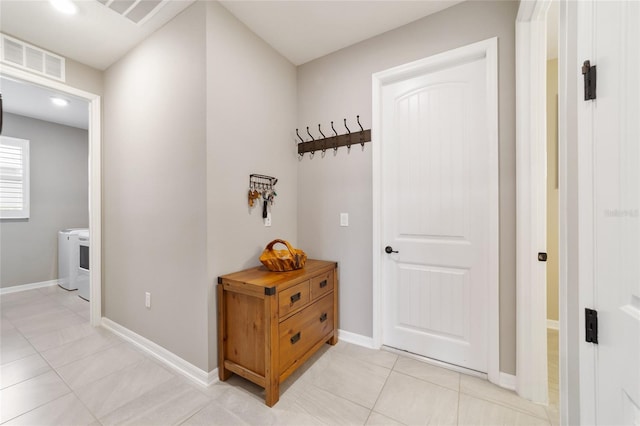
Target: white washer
x=68, y=257
x=84, y=289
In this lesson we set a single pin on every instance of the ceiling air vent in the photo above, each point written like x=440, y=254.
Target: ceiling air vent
x=137, y=11
x=28, y=57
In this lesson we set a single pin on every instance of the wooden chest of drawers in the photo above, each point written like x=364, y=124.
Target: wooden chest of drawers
x=270, y=323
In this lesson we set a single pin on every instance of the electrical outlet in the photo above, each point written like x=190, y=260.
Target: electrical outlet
x=344, y=219
x=147, y=300
x=267, y=220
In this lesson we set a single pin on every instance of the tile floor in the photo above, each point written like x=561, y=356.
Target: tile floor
x=56, y=369
x=553, y=361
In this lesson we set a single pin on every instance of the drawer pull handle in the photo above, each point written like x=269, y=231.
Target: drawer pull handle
x=295, y=297
x=323, y=284
x=323, y=317
x=295, y=338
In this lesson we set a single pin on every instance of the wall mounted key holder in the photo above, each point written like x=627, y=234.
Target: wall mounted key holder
x=261, y=187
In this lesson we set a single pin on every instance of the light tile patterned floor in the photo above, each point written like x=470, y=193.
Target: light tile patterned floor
x=553, y=361
x=56, y=369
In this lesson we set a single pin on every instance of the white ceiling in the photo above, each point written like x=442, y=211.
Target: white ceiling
x=97, y=36
x=35, y=102
x=301, y=30
x=305, y=30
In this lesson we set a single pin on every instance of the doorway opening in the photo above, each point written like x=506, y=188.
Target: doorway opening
x=538, y=177
x=553, y=276
x=94, y=174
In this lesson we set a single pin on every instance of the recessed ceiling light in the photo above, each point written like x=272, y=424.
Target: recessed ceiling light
x=60, y=102
x=67, y=7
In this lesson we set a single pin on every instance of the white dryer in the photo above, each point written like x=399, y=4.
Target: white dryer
x=84, y=289
x=68, y=257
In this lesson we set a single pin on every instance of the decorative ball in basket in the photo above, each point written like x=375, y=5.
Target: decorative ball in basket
x=282, y=260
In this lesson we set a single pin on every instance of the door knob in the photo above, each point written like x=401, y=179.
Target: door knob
x=389, y=250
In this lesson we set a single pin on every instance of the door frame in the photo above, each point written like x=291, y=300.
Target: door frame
x=484, y=49
x=569, y=285
x=531, y=215
x=95, y=178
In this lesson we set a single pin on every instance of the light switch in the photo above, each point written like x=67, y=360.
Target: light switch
x=344, y=219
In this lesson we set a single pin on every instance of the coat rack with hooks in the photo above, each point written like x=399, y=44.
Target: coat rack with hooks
x=333, y=142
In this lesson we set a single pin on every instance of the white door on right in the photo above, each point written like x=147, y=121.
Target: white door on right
x=439, y=210
x=610, y=132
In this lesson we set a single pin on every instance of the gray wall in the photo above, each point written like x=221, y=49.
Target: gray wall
x=251, y=110
x=154, y=193
x=338, y=86
x=59, y=199
x=189, y=114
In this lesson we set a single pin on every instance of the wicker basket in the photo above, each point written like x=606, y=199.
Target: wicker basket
x=282, y=260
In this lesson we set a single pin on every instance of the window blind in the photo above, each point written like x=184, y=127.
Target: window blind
x=14, y=178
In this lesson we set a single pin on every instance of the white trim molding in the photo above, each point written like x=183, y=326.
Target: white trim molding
x=356, y=339
x=531, y=315
x=483, y=49
x=161, y=354
x=569, y=84
x=25, y=287
x=508, y=381
x=95, y=177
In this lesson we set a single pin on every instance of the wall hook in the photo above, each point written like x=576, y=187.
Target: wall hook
x=361, y=131
x=323, y=137
x=300, y=156
x=335, y=135
x=313, y=139
x=345, y=126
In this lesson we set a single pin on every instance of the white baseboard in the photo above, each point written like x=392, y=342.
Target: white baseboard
x=553, y=324
x=356, y=339
x=25, y=287
x=507, y=381
x=166, y=357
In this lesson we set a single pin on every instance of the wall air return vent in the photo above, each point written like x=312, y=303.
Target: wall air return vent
x=137, y=11
x=31, y=58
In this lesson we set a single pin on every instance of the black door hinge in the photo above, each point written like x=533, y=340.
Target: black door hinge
x=589, y=73
x=542, y=256
x=591, y=325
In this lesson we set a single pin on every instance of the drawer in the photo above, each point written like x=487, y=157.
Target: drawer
x=292, y=298
x=303, y=330
x=321, y=284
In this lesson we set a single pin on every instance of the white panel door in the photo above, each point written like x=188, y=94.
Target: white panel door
x=610, y=140
x=439, y=197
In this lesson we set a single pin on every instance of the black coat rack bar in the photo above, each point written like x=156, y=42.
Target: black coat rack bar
x=334, y=142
